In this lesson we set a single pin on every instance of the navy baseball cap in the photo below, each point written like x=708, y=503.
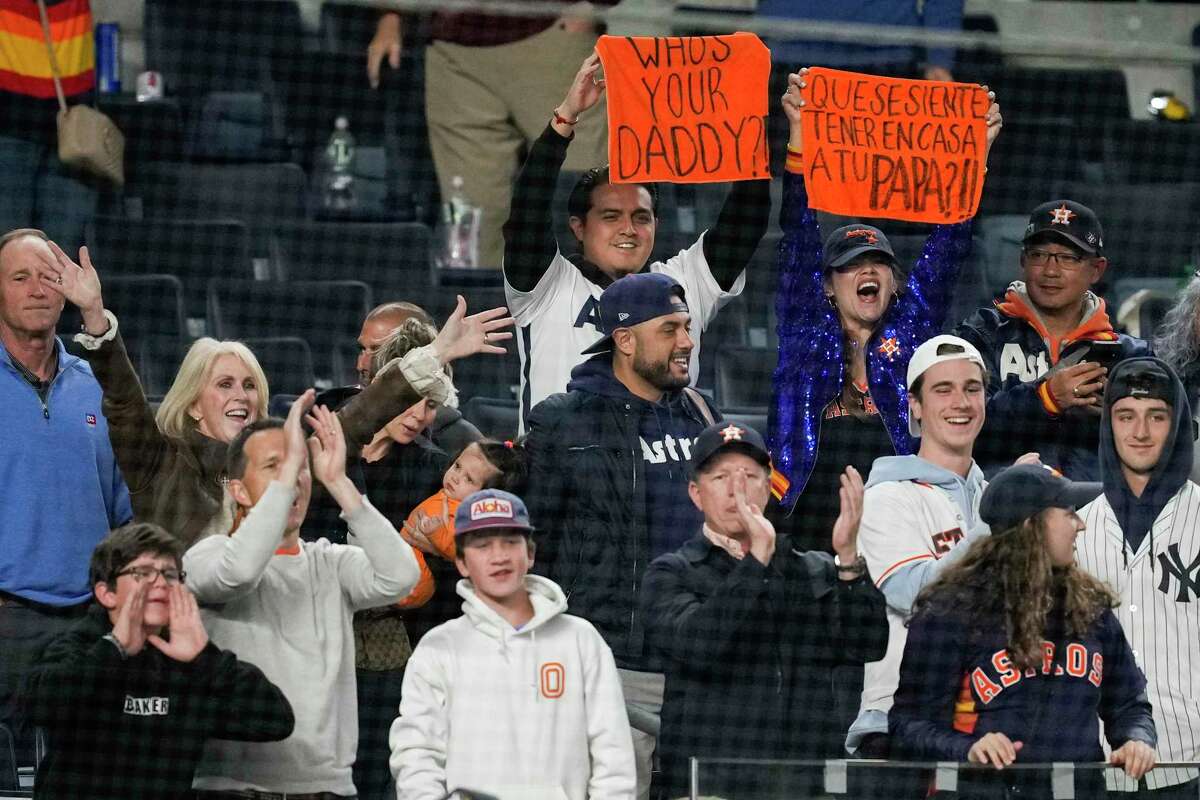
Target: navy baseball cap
x=491, y=509
x=635, y=299
x=722, y=436
x=1025, y=490
x=851, y=241
x=1143, y=379
x=1073, y=221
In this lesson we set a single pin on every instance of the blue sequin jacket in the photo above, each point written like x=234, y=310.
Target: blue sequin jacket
x=810, y=371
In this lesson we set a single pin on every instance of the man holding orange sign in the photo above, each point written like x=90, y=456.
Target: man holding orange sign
x=553, y=296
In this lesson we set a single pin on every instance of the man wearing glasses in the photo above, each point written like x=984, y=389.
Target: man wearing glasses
x=137, y=681
x=1048, y=346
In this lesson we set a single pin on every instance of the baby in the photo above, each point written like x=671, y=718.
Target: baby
x=486, y=464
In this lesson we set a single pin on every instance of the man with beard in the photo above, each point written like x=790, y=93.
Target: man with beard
x=1143, y=539
x=608, y=480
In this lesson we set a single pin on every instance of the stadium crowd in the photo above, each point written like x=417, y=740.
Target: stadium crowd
x=973, y=547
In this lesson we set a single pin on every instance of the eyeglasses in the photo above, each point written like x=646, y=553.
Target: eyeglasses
x=171, y=575
x=1040, y=258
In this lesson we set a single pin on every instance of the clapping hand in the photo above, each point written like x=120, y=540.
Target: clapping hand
x=845, y=529
x=187, y=636
x=327, y=446
x=296, y=454
x=758, y=528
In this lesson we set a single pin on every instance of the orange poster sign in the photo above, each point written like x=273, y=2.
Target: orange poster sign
x=892, y=147
x=688, y=109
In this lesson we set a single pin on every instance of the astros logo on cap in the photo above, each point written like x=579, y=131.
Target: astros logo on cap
x=1062, y=215
x=863, y=232
x=732, y=433
x=491, y=508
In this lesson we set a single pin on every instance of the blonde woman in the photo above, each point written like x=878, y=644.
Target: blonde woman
x=174, y=463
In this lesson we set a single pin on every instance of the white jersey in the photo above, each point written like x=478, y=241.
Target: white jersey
x=556, y=321
x=904, y=523
x=1159, y=590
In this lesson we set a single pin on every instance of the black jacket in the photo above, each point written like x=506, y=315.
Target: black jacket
x=1020, y=419
x=135, y=728
x=752, y=650
x=587, y=499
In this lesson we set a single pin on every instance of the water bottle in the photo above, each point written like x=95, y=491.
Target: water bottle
x=339, y=168
x=459, y=239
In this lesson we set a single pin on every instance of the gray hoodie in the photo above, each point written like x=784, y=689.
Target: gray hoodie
x=902, y=586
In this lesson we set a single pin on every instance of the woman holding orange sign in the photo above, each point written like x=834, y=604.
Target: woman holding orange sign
x=848, y=321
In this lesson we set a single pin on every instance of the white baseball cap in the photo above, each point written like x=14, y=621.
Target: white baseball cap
x=935, y=351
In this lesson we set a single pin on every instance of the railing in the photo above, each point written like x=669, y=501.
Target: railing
x=765, y=779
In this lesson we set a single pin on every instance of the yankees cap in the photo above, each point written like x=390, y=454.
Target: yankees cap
x=1025, y=490
x=491, y=509
x=722, y=436
x=1073, y=221
x=851, y=241
x=635, y=299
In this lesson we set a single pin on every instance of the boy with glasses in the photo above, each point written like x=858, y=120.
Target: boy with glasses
x=137, y=681
x=1048, y=346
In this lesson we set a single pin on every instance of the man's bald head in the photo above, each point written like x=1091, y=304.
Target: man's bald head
x=379, y=324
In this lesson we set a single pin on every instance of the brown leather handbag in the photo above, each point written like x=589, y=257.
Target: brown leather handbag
x=87, y=139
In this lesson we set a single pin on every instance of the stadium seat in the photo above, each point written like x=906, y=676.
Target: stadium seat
x=219, y=45
x=150, y=313
x=971, y=289
x=495, y=417
x=1001, y=237
x=1148, y=228
x=323, y=313
x=391, y=258
x=1029, y=158
x=280, y=404
x=258, y=194
x=153, y=131
x=287, y=361
x=744, y=375
x=194, y=251
x=1151, y=151
x=320, y=87
x=762, y=279
x=1034, y=95
x=9, y=780
x=750, y=418
x=482, y=288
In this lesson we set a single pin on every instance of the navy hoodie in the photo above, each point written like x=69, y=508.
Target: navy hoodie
x=1134, y=514
x=666, y=433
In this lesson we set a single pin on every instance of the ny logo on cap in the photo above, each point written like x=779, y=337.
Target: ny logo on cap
x=491, y=508
x=864, y=233
x=732, y=433
x=1062, y=215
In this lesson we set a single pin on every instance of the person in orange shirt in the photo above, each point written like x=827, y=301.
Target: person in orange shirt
x=485, y=464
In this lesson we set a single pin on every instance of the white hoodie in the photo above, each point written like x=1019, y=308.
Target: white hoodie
x=535, y=713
